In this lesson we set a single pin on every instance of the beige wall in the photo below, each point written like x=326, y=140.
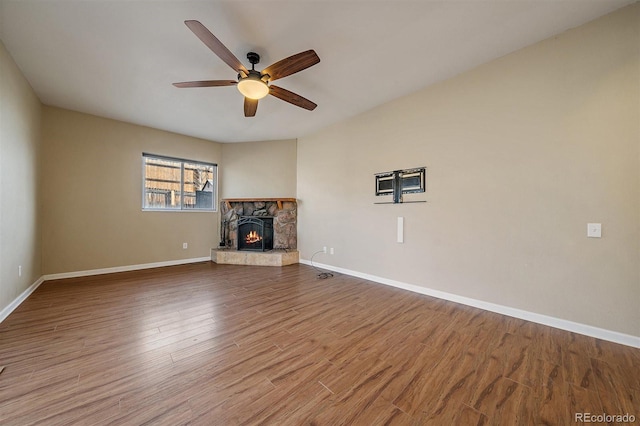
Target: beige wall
x=92, y=199
x=259, y=169
x=521, y=154
x=20, y=245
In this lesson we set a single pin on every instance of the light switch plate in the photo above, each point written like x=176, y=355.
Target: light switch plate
x=594, y=230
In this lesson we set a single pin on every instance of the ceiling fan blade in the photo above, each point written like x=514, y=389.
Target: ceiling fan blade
x=250, y=107
x=215, y=45
x=291, y=65
x=206, y=83
x=291, y=97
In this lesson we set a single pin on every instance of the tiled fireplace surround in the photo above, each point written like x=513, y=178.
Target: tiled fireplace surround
x=285, y=238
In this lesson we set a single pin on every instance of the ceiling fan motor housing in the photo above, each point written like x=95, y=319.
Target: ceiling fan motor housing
x=253, y=58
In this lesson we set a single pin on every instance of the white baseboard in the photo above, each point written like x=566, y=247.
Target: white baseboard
x=588, y=330
x=126, y=268
x=23, y=296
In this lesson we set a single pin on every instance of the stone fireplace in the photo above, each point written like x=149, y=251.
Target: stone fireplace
x=283, y=211
x=258, y=231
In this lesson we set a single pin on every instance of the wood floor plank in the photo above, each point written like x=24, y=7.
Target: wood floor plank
x=429, y=384
x=550, y=403
x=204, y=344
x=178, y=413
x=469, y=416
x=578, y=370
x=299, y=402
x=505, y=401
x=615, y=394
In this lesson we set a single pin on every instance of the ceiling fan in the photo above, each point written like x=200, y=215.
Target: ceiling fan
x=254, y=85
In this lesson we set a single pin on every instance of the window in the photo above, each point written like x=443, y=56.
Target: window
x=175, y=184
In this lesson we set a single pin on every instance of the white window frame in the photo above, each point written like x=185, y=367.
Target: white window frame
x=182, y=162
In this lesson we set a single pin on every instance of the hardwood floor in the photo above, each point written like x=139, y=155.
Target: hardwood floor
x=208, y=344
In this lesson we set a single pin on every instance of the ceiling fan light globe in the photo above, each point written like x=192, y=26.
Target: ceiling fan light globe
x=253, y=88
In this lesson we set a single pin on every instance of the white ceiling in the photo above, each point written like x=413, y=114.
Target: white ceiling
x=117, y=59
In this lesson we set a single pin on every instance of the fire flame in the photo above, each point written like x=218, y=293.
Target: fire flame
x=252, y=237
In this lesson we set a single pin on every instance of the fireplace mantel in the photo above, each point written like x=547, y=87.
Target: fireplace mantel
x=228, y=201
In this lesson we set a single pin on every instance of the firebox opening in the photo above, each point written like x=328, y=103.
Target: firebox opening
x=255, y=233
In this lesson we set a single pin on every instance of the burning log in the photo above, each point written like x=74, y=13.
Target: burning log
x=252, y=238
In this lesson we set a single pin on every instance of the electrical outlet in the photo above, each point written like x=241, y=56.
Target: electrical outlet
x=331, y=250
x=185, y=245
x=324, y=249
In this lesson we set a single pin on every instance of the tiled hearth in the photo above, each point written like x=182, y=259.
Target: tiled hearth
x=270, y=258
x=285, y=239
